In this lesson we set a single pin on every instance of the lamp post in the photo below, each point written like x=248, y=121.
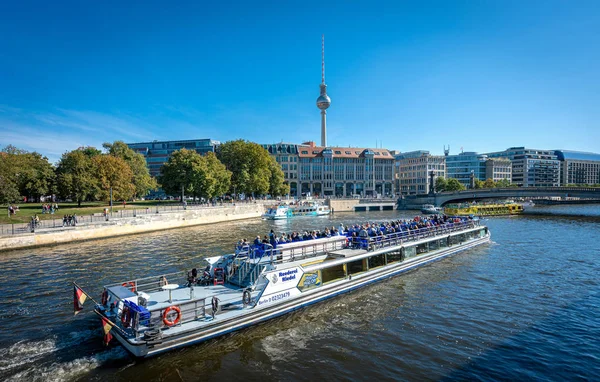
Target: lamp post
x=111, y=202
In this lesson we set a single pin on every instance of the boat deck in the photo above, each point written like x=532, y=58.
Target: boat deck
x=347, y=252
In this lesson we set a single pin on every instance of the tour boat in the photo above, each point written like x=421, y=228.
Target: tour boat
x=310, y=209
x=152, y=315
x=484, y=209
x=430, y=209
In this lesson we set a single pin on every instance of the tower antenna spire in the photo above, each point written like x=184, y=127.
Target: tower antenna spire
x=323, y=102
x=323, y=59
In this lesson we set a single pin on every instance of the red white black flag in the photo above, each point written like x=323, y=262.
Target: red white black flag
x=78, y=299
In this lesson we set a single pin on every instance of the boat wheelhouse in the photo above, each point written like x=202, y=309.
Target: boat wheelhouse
x=152, y=315
x=278, y=213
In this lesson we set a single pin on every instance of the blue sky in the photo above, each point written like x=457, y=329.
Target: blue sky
x=482, y=75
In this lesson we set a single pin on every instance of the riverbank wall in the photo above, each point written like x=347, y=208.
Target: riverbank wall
x=132, y=225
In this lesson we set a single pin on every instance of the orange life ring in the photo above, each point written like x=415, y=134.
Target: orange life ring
x=104, y=297
x=130, y=284
x=176, y=320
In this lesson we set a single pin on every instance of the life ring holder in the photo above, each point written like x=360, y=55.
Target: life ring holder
x=168, y=322
x=246, y=297
x=130, y=285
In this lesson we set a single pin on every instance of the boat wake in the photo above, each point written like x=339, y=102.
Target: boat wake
x=48, y=360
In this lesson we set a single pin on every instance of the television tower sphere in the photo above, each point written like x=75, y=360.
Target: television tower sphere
x=323, y=102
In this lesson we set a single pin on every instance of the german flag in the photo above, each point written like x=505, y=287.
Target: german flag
x=106, y=326
x=78, y=299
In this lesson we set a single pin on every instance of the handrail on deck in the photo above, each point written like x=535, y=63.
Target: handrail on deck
x=398, y=238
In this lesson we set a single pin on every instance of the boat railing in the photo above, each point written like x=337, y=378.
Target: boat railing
x=371, y=243
x=195, y=309
x=310, y=248
x=152, y=283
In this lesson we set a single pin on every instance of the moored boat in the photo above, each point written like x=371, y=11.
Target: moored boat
x=152, y=315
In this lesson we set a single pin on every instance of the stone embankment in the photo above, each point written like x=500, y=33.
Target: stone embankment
x=132, y=225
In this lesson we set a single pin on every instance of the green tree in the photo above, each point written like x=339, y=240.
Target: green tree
x=36, y=176
x=277, y=184
x=503, y=183
x=75, y=175
x=179, y=172
x=479, y=184
x=251, y=167
x=113, y=173
x=141, y=179
x=219, y=173
x=200, y=176
x=454, y=185
x=9, y=191
x=440, y=184
x=489, y=183
x=30, y=173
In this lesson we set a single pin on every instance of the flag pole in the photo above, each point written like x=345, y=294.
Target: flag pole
x=84, y=292
x=112, y=324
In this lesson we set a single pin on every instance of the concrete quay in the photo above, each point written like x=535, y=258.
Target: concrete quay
x=132, y=225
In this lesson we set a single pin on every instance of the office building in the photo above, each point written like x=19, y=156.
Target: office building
x=157, y=153
x=578, y=168
x=532, y=167
x=413, y=171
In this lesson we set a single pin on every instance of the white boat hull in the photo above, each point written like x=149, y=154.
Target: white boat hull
x=289, y=303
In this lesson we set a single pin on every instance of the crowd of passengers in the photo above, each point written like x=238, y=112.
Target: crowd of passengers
x=354, y=231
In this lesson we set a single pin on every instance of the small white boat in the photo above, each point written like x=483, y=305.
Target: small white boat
x=430, y=209
x=277, y=213
x=152, y=315
x=527, y=204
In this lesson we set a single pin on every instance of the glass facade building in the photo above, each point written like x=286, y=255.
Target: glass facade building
x=578, y=167
x=157, y=153
x=532, y=167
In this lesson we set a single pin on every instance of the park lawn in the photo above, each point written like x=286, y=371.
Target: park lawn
x=27, y=210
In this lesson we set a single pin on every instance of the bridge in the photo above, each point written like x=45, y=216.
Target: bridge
x=351, y=205
x=442, y=198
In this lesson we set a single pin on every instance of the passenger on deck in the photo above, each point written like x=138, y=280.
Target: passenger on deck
x=192, y=277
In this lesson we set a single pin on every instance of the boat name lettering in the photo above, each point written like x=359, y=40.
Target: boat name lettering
x=288, y=275
x=276, y=297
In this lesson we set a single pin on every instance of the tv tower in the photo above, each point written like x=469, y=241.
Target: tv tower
x=323, y=102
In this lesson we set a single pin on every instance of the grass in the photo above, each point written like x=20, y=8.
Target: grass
x=27, y=210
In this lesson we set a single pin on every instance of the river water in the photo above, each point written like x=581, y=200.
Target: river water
x=524, y=307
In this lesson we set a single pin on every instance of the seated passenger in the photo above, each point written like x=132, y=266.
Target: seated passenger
x=192, y=277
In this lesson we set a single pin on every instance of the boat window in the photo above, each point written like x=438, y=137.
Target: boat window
x=443, y=243
x=333, y=273
x=433, y=245
x=410, y=252
x=454, y=240
x=393, y=257
x=357, y=266
x=376, y=261
x=422, y=248
x=310, y=280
